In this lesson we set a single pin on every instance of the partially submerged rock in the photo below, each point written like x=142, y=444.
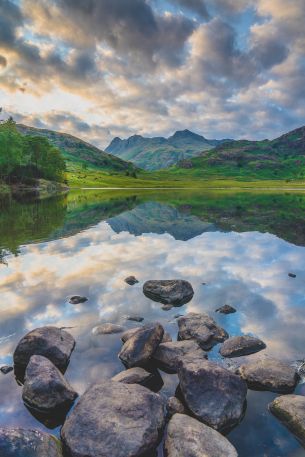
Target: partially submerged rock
x=135, y=318
x=17, y=442
x=107, y=329
x=129, y=333
x=131, y=280
x=6, y=369
x=140, y=347
x=226, y=309
x=138, y=375
x=202, y=328
x=114, y=419
x=169, y=355
x=77, y=299
x=238, y=346
x=269, y=374
x=45, y=388
x=175, y=292
x=290, y=410
x=213, y=394
x=189, y=438
x=292, y=275
x=174, y=406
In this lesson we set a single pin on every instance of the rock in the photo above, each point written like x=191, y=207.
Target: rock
x=269, y=374
x=45, y=388
x=213, y=394
x=135, y=318
x=167, y=338
x=51, y=342
x=126, y=335
x=137, y=375
x=77, y=299
x=189, y=438
x=17, y=442
x=114, y=419
x=167, y=307
x=140, y=347
x=107, y=329
x=178, y=315
x=292, y=275
x=238, y=346
x=290, y=410
x=6, y=369
x=226, y=309
x=173, y=406
x=202, y=328
x=169, y=292
x=131, y=280
x=169, y=355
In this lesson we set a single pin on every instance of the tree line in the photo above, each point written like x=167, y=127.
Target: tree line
x=23, y=158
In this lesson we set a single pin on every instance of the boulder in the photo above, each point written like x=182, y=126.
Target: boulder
x=238, y=346
x=202, y=328
x=138, y=375
x=269, y=374
x=114, y=419
x=140, y=347
x=189, y=438
x=290, y=410
x=51, y=342
x=107, y=329
x=169, y=355
x=77, y=299
x=173, y=406
x=17, y=442
x=45, y=388
x=131, y=280
x=175, y=292
x=226, y=309
x=126, y=335
x=213, y=394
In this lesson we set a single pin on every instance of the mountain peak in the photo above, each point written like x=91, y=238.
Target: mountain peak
x=186, y=134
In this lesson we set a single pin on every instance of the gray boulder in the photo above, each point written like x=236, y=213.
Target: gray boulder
x=175, y=292
x=213, y=394
x=174, y=406
x=77, y=299
x=131, y=280
x=107, y=329
x=126, y=335
x=114, y=419
x=140, y=347
x=238, y=346
x=169, y=355
x=269, y=374
x=17, y=442
x=202, y=328
x=290, y=410
x=138, y=375
x=45, y=388
x=226, y=309
x=189, y=438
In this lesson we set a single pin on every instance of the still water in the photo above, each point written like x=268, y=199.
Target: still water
x=241, y=246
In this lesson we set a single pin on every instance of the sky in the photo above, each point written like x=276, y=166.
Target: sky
x=104, y=68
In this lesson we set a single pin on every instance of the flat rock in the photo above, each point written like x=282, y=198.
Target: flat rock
x=202, y=328
x=77, y=299
x=189, y=438
x=45, y=388
x=238, y=346
x=290, y=410
x=226, y=309
x=140, y=347
x=128, y=333
x=135, y=318
x=269, y=374
x=169, y=355
x=107, y=329
x=136, y=375
x=6, y=369
x=174, y=406
x=213, y=394
x=175, y=292
x=17, y=442
x=114, y=419
x=131, y=280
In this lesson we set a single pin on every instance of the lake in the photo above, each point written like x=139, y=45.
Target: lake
x=234, y=248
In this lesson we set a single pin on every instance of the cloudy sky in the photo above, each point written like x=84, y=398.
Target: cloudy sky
x=105, y=68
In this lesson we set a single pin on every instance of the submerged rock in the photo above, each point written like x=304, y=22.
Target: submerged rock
x=45, y=388
x=6, y=369
x=238, y=346
x=51, y=342
x=189, y=438
x=140, y=347
x=202, y=328
x=129, y=333
x=290, y=410
x=214, y=395
x=77, y=299
x=131, y=280
x=107, y=329
x=269, y=374
x=292, y=275
x=17, y=442
x=226, y=309
x=169, y=355
x=138, y=375
x=114, y=419
x=175, y=292
x=135, y=318
x=174, y=406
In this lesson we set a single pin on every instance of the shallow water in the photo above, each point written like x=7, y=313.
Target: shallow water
x=242, y=246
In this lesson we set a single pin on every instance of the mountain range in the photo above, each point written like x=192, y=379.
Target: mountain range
x=159, y=152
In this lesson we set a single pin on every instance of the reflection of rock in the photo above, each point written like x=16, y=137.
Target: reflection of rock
x=114, y=419
x=290, y=410
x=45, y=389
x=51, y=342
x=107, y=329
x=175, y=292
x=174, y=406
x=77, y=299
x=140, y=376
x=214, y=395
x=131, y=280
x=140, y=347
x=169, y=355
x=189, y=438
x=202, y=328
x=269, y=374
x=238, y=346
x=33, y=443
x=226, y=309
x=129, y=333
